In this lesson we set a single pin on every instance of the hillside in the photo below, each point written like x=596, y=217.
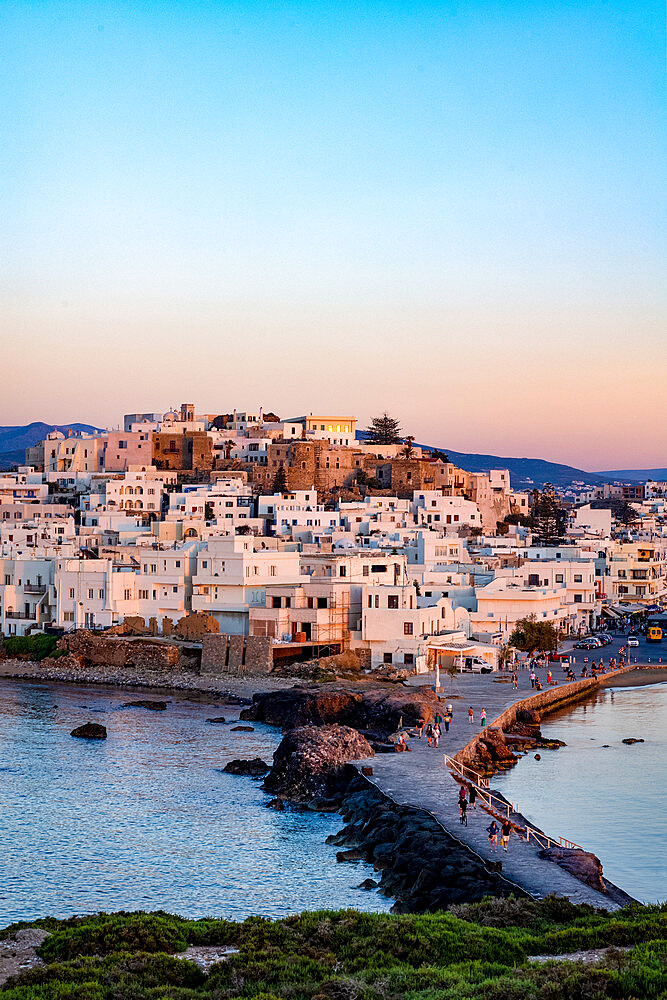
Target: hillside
x=14, y=440
x=638, y=475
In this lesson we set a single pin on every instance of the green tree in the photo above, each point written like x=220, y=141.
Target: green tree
x=384, y=430
x=531, y=635
x=409, y=441
x=280, y=481
x=548, y=518
x=440, y=456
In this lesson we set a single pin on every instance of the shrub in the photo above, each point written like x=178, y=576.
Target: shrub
x=30, y=647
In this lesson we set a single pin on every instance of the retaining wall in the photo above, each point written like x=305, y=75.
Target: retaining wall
x=237, y=655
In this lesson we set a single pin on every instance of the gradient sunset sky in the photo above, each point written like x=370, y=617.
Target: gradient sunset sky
x=453, y=211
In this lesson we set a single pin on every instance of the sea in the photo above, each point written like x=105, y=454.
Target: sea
x=147, y=819
x=606, y=796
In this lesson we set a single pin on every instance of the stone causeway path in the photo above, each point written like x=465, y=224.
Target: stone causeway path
x=420, y=779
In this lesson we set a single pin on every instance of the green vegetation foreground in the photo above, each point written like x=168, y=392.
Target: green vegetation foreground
x=470, y=952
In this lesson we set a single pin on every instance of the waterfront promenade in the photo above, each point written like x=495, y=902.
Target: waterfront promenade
x=420, y=779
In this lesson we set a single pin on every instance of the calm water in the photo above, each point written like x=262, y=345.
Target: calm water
x=611, y=801
x=146, y=820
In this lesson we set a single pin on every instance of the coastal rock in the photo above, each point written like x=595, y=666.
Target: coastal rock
x=352, y=855
x=582, y=864
x=310, y=762
x=276, y=804
x=490, y=753
x=152, y=706
x=90, y=731
x=630, y=740
x=256, y=767
x=242, y=729
x=538, y=756
x=219, y=719
x=368, y=883
x=381, y=710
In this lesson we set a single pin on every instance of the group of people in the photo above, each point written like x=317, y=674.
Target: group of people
x=468, y=799
x=433, y=730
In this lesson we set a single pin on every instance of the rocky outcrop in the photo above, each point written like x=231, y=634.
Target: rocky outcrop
x=218, y=720
x=582, y=864
x=377, y=709
x=90, y=731
x=310, y=763
x=491, y=753
x=256, y=767
x=630, y=740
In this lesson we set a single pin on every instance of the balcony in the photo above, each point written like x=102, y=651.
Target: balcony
x=34, y=588
x=22, y=615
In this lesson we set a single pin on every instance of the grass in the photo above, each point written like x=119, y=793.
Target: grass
x=474, y=952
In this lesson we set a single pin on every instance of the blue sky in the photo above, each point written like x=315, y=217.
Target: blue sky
x=455, y=211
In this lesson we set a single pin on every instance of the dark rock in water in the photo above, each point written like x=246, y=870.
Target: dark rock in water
x=352, y=855
x=368, y=883
x=219, y=718
x=152, y=706
x=605, y=746
x=582, y=864
x=538, y=756
x=310, y=763
x=242, y=729
x=256, y=767
x=277, y=804
x=631, y=740
x=90, y=731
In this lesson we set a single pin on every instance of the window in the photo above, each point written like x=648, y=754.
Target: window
x=407, y=628
x=276, y=602
x=127, y=595
x=387, y=657
x=408, y=659
x=122, y=444
x=365, y=570
x=100, y=594
x=392, y=601
x=321, y=602
x=559, y=577
x=370, y=601
x=578, y=578
x=578, y=598
x=143, y=595
x=342, y=570
x=377, y=600
x=178, y=564
x=68, y=616
x=204, y=564
x=379, y=568
x=71, y=591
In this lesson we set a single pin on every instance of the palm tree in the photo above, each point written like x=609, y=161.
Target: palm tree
x=407, y=451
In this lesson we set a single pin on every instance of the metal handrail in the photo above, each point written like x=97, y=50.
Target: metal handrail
x=478, y=780
x=482, y=787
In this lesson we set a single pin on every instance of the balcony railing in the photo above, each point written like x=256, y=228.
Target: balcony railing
x=34, y=588
x=23, y=615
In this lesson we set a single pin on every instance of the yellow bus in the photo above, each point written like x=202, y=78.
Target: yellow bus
x=654, y=633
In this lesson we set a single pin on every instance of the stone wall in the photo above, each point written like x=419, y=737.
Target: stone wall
x=542, y=702
x=93, y=650
x=236, y=654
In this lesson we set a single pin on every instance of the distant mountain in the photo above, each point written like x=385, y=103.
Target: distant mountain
x=636, y=474
x=15, y=440
x=525, y=473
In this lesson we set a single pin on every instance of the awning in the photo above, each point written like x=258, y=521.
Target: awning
x=610, y=613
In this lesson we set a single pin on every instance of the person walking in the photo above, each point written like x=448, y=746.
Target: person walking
x=482, y=718
x=471, y=715
x=549, y=676
x=420, y=727
x=448, y=719
x=437, y=733
x=505, y=833
x=515, y=682
x=533, y=678
x=493, y=835
x=450, y=710
x=437, y=718
x=429, y=734
x=463, y=811
x=472, y=796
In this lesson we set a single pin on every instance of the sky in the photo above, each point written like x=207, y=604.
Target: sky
x=453, y=211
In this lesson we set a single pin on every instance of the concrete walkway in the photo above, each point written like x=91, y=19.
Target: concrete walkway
x=420, y=779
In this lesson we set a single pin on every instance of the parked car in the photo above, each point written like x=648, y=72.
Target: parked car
x=633, y=640
x=587, y=644
x=558, y=657
x=475, y=665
